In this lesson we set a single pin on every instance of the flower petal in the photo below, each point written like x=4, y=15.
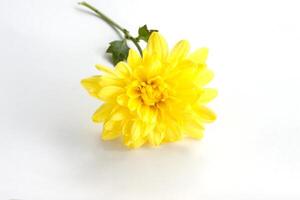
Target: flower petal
x=92, y=85
x=157, y=46
x=122, y=100
x=123, y=70
x=205, y=114
x=152, y=70
x=155, y=137
x=136, y=130
x=179, y=51
x=134, y=103
x=110, y=135
x=133, y=89
x=107, y=71
x=103, y=112
x=204, y=77
x=199, y=56
x=108, y=81
x=137, y=143
x=196, y=134
x=118, y=115
x=134, y=58
x=111, y=130
x=109, y=125
x=109, y=92
x=126, y=129
x=207, y=95
x=173, y=132
x=147, y=114
x=128, y=141
x=194, y=129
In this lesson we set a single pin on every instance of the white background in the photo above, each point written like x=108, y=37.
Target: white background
x=50, y=149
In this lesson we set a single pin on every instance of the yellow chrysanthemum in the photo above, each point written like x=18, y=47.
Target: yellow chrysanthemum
x=154, y=99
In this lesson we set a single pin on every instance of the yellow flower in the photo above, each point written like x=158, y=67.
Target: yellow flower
x=157, y=98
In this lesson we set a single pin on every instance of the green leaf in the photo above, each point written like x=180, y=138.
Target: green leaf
x=144, y=33
x=118, y=50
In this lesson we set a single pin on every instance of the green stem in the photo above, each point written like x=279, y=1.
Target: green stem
x=114, y=25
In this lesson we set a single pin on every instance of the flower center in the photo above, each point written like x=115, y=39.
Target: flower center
x=150, y=92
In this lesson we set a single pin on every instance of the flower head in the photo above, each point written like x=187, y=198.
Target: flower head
x=157, y=98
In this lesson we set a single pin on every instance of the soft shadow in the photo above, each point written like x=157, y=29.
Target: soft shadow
x=94, y=162
x=113, y=146
x=105, y=56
